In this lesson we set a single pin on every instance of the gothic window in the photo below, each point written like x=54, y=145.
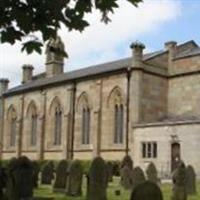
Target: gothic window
x=33, y=130
x=118, y=124
x=149, y=149
x=55, y=120
x=12, y=126
x=13, y=131
x=57, y=126
x=86, y=126
x=32, y=124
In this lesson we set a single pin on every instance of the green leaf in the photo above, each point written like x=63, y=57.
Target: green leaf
x=10, y=35
x=32, y=46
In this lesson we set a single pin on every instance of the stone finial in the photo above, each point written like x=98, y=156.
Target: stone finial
x=137, y=51
x=55, y=54
x=3, y=85
x=27, y=71
x=55, y=50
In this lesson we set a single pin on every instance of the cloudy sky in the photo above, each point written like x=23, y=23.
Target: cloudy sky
x=153, y=23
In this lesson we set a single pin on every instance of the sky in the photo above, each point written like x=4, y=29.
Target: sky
x=153, y=23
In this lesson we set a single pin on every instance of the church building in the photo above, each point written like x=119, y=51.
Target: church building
x=147, y=106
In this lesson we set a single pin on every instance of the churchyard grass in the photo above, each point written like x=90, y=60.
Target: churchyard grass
x=46, y=191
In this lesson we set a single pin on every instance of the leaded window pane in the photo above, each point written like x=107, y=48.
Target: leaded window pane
x=33, y=130
x=86, y=126
x=116, y=124
x=13, y=132
x=58, y=127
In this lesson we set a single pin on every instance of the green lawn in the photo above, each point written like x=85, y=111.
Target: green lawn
x=46, y=191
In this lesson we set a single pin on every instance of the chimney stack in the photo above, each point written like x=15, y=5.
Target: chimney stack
x=171, y=47
x=137, y=53
x=3, y=85
x=27, y=73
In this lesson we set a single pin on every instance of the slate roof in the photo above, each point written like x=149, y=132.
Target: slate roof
x=76, y=74
x=192, y=52
x=40, y=80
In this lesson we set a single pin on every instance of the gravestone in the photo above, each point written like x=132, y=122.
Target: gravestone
x=152, y=174
x=147, y=191
x=126, y=177
x=97, y=180
x=20, y=179
x=47, y=174
x=127, y=161
x=190, y=180
x=61, y=176
x=138, y=177
x=74, y=180
x=179, y=183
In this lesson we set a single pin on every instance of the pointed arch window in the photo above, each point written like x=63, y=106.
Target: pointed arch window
x=57, y=126
x=86, y=126
x=118, y=124
x=33, y=139
x=13, y=127
x=32, y=124
x=12, y=120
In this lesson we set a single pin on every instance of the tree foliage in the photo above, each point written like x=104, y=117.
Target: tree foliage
x=21, y=18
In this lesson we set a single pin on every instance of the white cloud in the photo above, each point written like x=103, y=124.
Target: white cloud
x=99, y=42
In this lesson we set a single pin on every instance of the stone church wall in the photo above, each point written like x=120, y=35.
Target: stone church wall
x=154, y=98
x=184, y=96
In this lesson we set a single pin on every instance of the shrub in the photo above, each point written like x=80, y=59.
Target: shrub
x=36, y=171
x=47, y=173
x=116, y=168
x=2, y=181
x=74, y=180
x=97, y=180
x=147, y=191
x=61, y=176
x=190, y=180
x=86, y=166
x=151, y=172
x=110, y=171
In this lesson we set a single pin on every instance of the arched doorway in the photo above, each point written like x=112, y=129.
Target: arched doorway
x=175, y=155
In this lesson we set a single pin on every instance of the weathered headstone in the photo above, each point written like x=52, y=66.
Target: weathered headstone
x=179, y=183
x=147, y=191
x=97, y=180
x=61, y=176
x=152, y=174
x=74, y=180
x=138, y=177
x=126, y=177
x=20, y=179
x=190, y=180
x=127, y=161
x=47, y=173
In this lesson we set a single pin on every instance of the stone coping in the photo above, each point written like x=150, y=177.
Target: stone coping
x=167, y=123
